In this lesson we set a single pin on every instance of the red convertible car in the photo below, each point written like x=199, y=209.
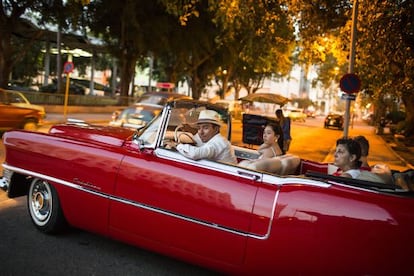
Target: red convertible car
x=129, y=186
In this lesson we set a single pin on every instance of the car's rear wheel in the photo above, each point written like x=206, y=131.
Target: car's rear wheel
x=44, y=207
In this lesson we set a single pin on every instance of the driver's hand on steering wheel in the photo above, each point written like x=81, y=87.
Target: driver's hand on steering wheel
x=170, y=144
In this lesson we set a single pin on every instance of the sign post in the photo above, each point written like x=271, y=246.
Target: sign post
x=350, y=84
x=67, y=69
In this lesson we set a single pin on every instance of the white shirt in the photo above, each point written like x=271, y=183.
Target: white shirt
x=217, y=149
x=354, y=173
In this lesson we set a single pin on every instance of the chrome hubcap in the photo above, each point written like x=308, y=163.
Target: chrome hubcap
x=40, y=201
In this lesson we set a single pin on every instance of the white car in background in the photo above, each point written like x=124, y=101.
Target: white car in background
x=297, y=115
x=144, y=110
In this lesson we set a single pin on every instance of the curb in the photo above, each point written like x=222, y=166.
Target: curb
x=407, y=164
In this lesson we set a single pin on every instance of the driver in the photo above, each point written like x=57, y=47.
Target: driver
x=210, y=144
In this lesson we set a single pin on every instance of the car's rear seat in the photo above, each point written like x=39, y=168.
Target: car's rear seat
x=308, y=165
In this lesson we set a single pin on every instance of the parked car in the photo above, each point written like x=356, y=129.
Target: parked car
x=99, y=88
x=17, y=98
x=297, y=115
x=74, y=89
x=128, y=185
x=310, y=113
x=15, y=113
x=334, y=120
x=144, y=109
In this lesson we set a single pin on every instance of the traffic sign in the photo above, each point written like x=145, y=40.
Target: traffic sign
x=166, y=85
x=68, y=67
x=350, y=83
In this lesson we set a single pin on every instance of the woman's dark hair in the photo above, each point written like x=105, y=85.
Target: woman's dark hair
x=353, y=147
x=278, y=131
x=276, y=128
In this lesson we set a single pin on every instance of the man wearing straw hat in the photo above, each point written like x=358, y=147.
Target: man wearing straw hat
x=210, y=143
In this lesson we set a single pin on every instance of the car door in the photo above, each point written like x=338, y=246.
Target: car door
x=198, y=207
x=11, y=116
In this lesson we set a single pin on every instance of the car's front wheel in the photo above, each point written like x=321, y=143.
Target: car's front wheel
x=30, y=125
x=44, y=207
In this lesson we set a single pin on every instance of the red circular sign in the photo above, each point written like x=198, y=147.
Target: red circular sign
x=350, y=83
x=68, y=67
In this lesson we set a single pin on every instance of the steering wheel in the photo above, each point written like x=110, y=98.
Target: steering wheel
x=177, y=136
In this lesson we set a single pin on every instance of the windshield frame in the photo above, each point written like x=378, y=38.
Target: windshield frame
x=158, y=126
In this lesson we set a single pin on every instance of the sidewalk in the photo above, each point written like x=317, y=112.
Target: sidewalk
x=397, y=157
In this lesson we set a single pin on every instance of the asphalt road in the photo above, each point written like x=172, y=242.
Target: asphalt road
x=26, y=251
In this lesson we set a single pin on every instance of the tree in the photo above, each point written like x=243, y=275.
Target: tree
x=386, y=53
x=10, y=13
x=253, y=39
x=384, y=48
x=66, y=16
x=257, y=39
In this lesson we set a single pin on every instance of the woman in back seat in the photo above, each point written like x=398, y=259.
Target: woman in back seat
x=347, y=158
x=271, y=157
x=270, y=147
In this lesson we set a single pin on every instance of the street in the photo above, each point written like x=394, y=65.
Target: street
x=25, y=250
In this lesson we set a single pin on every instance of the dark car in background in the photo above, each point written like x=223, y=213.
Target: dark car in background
x=99, y=88
x=74, y=89
x=18, y=115
x=334, y=120
x=143, y=110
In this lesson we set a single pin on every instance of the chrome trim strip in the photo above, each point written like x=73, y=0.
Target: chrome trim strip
x=137, y=204
x=293, y=180
x=272, y=217
x=178, y=216
x=54, y=179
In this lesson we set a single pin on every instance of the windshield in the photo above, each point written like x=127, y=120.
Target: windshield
x=177, y=116
x=153, y=99
x=148, y=134
x=15, y=97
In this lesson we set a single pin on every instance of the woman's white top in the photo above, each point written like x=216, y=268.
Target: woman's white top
x=354, y=173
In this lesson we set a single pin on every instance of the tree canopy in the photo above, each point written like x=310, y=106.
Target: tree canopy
x=236, y=42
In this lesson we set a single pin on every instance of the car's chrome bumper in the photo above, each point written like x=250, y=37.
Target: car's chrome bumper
x=5, y=180
x=4, y=185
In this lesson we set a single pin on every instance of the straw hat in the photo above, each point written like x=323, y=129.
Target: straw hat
x=208, y=116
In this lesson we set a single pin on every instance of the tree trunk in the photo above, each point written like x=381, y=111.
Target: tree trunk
x=408, y=100
x=6, y=55
x=128, y=55
x=196, y=86
x=127, y=63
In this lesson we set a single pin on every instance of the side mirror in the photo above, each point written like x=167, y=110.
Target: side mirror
x=137, y=141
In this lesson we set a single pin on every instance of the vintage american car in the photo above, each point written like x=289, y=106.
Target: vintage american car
x=129, y=186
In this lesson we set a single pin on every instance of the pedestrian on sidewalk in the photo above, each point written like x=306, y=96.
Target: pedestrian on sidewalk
x=285, y=125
